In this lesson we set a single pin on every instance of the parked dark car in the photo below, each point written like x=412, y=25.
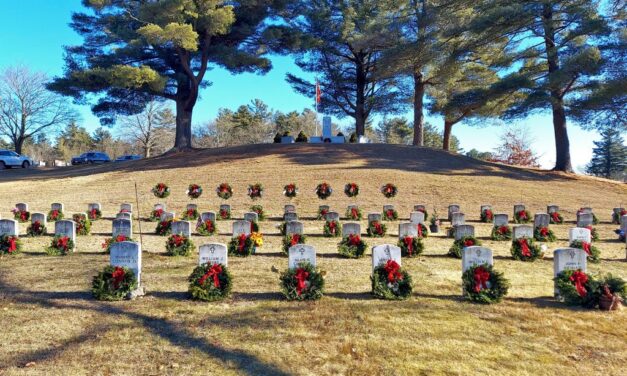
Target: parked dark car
x=91, y=157
x=126, y=158
x=10, y=158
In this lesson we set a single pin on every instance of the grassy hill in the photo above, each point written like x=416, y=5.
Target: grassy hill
x=51, y=324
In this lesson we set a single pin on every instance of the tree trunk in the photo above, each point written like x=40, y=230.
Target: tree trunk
x=419, y=117
x=562, y=144
x=446, y=138
x=360, y=101
x=183, y=139
x=19, y=144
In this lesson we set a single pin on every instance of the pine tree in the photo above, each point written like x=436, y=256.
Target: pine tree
x=609, y=159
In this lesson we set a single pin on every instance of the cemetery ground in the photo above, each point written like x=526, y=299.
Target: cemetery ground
x=51, y=324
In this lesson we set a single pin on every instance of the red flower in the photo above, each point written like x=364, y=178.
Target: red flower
x=623, y=212
x=295, y=239
x=579, y=279
x=62, y=243
x=409, y=243
x=118, y=277
x=213, y=272
x=301, y=277
x=392, y=268
x=481, y=278
x=524, y=247
x=469, y=243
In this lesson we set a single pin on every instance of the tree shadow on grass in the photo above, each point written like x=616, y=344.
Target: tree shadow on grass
x=257, y=296
x=543, y=302
x=452, y=298
x=362, y=295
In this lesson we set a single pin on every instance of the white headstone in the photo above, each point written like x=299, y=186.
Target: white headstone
x=241, y=227
x=351, y=229
x=301, y=253
x=251, y=217
x=225, y=207
x=9, y=227
x=21, y=206
x=159, y=207
x=211, y=216
x=294, y=227
x=584, y=219
x=214, y=253
x=579, y=234
x=387, y=207
x=183, y=228
x=289, y=208
x=167, y=216
x=417, y=217
x=452, y=209
x=518, y=208
x=332, y=216
x=192, y=207
x=485, y=207
x=541, y=220
x=623, y=223
x=126, y=207
x=65, y=228
x=372, y=217
x=124, y=215
x=458, y=219
x=522, y=231
x=464, y=230
x=476, y=255
x=92, y=206
x=569, y=259
x=122, y=227
x=407, y=229
x=39, y=217
x=420, y=208
x=552, y=209
x=128, y=255
x=290, y=216
x=384, y=252
x=586, y=210
x=501, y=219
x=57, y=206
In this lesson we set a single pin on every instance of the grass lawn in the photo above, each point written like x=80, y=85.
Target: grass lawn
x=51, y=325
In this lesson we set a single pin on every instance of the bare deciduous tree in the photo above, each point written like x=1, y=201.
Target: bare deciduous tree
x=27, y=107
x=152, y=130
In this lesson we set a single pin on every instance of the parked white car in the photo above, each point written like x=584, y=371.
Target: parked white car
x=10, y=158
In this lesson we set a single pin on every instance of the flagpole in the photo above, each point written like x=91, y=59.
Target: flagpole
x=316, y=102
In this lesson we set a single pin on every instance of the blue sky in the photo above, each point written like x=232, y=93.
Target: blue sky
x=33, y=33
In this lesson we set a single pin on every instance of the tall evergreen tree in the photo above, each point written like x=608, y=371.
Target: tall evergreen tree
x=609, y=158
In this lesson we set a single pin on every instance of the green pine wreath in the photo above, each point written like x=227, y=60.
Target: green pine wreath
x=206, y=228
x=94, y=214
x=592, y=252
x=411, y=246
x=161, y=190
x=10, y=245
x=241, y=246
x=390, y=215
x=391, y=282
x=291, y=240
x=501, y=233
x=322, y=212
x=210, y=282
x=353, y=213
x=544, y=234
x=376, y=229
x=190, y=215
x=83, y=224
x=423, y=231
x=578, y=288
x=36, y=229
x=522, y=216
x=224, y=214
x=164, y=228
x=60, y=246
x=351, y=190
x=21, y=216
x=531, y=253
x=224, y=191
x=179, y=245
x=114, y=283
x=312, y=287
x=155, y=215
x=352, y=246
x=324, y=190
x=55, y=215
x=483, y=284
x=261, y=215
x=118, y=239
x=459, y=244
x=332, y=229
x=555, y=218
x=487, y=215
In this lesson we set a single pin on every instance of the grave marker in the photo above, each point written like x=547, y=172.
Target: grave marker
x=159, y=207
x=351, y=229
x=294, y=227
x=407, y=229
x=241, y=227
x=167, y=216
x=126, y=207
x=552, y=209
x=122, y=227
x=183, y=228
x=458, y=219
x=579, y=234
x=374, y=217
x=332, y=216
x=569, y=259
x=39, y=217
x=251, y=217
x=21, y=206
x=522, y=231
x=384, y=252
x=584, y=219
x=453, y=209
x=9, y=227
x=541, y=220
x=92, y=206
x=464, y=230
x=208, y=216
x=501, y=220
x=192, y=207
x=289, y=208
x=417, y=217
x=213, y=253
x=290, y=216
x=65, y=228
x=128, y=255
x=301, y=253
x=124, y=215
x=476, y=255
x=57, y=206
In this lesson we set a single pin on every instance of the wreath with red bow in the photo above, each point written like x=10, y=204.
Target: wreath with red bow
x=224, y=191
x=522, y=216
x=302, y=283
x=161, y=190
x=94, y=214
x=242, y=245
x=179, y=245
x=210, y=282
x=391, y=282
x=525, y=249
x=555, y=218
x=83, y=224
x=21, y=216
x=483, y=284
x=255, y=191
x=411, y=246
x=376, y=229
x=194, y=191
x=500, y=233
x=616, y=216
x=114, y=283
x=352, y=246
x=322, y=212
x=487, y=215
x=423, y=211
x=353, y=213
x=459, y=244
x=595, y=220
x=544, y=234
x=118, y=239
x=291, y=240
x=261, y=214
x=332, y=229
x=324, y=190
x=10, y=245
x=206, y=227
x=60, y=246
x=164, y=228
x=190, y=214
x=351, y=190
x=423, y=231
x=389, y=190
x=592, y=252
x=390, y=215
x=576, y=287
x=594, y=234
x=290, y=190
x=55, y=215
x=224, y=214
x=155, y=215
x=36, y=229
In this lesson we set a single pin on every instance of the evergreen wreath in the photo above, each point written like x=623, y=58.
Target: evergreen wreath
x=36, y=229
x=576, y=287
x=555, y=218
x=194, y=191
x=617, y=216
x=210, y=282
x=164, y=228
x=190, y=214
x=544, y=234
x=224, y=214
x=459, y=244
x=302, y=283
x=592, y=252
x=525, y=249
x=376, y=229
x=522, y=216
x=332, y=229
x=206, y=227
x=10, y=245
x=487, y=215
x=290, y=190
x=291, y=240
x=391, y=282
x=60, y=246
x=224, y=191
x=282, y=228
x=423, y=211
x=411, y=246
x=389, y=190
x=595, y=220
x=261, y=214
x=390, y=215
x=118, y=239
x=423, y=231
x=324, y=190
x=161, y=190
x=352, y=246
x=500, y=233
x=242, y=245
x=94, y=214
x=353, y=213
x=351, y=190
x=83, y=224
x=594, y=234
x=179, y=245
x=255, y=191
x=483, y=284
x=322, y=212
x=155, y=215
x=21, y=216
x=114, y=283
x=55, y=215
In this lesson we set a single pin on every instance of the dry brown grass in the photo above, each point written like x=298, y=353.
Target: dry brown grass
x=50, y=322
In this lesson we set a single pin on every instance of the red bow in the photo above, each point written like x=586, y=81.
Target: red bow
x=62, y=243
x=419, y=230
x=323, y=212
x=157, y=213
x=190, y=212
x=524, y=247
x=332, y=227
x=580, y=278
x=224, y=213
x=354, y=213
x=469, y=243
x=54, y=214
x=301, y=276
x=378, y=228
x=481, y=277
x=295, y=239
x=118, y=276
x=586, y=247
x=522, y=214
x=93, y=213
x=177, y=240
x=120, y=238
x=354, y=240
x=409, y=242
x=209, y=225
x=242, y=242
x=23, y=215
x=12, y=244
x=390, y=213
x=544, y=231
x=392, y=269
x=502, y=230
x=488, y=214
x=556, y=217
x=213, y=272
